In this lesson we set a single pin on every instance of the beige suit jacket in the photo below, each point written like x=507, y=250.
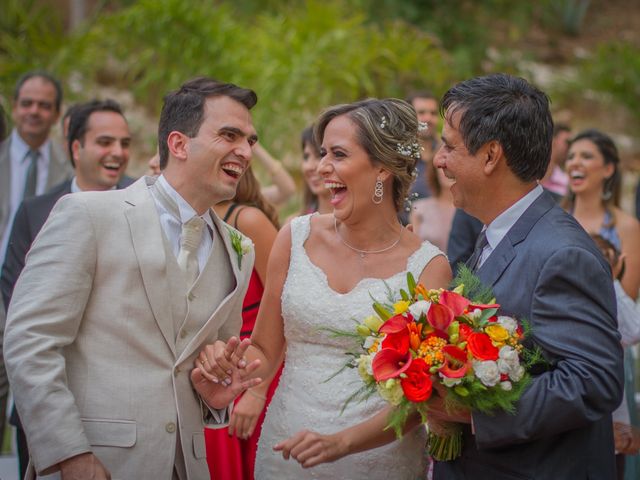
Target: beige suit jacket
x=90, y=345
x=59, y=170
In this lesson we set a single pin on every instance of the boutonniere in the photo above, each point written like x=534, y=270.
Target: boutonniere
x=241, y=244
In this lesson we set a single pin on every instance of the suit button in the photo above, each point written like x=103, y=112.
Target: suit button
x=170, y=427
x=191, y=296
x=176, y=371
x=183, y=333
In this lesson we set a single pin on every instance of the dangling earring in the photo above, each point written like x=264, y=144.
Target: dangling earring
x=378, y=192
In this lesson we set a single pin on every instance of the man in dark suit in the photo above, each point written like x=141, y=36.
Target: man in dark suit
x=99, y=150
x=462, y=238
x=542, y=267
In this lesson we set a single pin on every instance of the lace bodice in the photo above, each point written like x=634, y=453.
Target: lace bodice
x=306, y=398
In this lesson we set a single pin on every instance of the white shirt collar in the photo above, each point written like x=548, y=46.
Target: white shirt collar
x=186, y=211
x=501, y=225
x=75, y=188
x=19, y=148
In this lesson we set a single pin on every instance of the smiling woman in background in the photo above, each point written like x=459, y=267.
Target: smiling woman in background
x=316, y=197
x=594, y=198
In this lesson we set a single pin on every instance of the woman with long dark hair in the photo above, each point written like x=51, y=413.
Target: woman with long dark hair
x=593, y=166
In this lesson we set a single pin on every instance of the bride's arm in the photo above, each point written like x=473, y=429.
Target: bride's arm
x=311, y=448
x=267, y=339
x=437, y=273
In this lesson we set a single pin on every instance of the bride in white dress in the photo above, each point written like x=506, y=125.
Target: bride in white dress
x=323, y=271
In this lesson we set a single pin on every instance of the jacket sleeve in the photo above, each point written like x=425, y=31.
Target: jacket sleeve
x=44, y=317
x=573, y=320
x=19, y=243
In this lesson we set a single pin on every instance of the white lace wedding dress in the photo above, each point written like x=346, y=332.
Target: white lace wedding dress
x=305, y=399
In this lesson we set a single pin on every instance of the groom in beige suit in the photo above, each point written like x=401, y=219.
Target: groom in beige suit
x=120, y=291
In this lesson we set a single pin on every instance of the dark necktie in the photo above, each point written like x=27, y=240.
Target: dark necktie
x=31, y=181
x=481, y=242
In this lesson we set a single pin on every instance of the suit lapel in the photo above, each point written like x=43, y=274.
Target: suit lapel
x=505, y=252
x=59, y=166
x=223, y=229
x=146, y=235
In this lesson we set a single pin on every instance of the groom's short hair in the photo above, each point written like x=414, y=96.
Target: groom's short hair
x=510, y=111
x=183, y=109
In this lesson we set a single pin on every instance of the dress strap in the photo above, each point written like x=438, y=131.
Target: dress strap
x=229, y=211
x=421, y=258
x=300, y=229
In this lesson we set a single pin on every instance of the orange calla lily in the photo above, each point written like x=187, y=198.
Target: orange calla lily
x=396, y=324
x=440, y=316
x=389, y=363
x=456, y=302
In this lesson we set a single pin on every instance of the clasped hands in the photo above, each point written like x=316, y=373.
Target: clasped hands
x=222, y=372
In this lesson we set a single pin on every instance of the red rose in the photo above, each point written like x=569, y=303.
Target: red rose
x=464, y=331
x=455, y=362
x=481, y=347
x=417, y=384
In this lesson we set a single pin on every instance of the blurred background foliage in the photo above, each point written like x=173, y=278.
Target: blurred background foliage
x=301, y=56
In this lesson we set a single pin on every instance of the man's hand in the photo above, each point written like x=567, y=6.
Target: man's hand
x=221, y=372
x=85, y=466
x=438, y=411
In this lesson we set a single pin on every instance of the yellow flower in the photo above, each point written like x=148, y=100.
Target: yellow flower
x=373, y=322
x=497, y=333
x=400, y=307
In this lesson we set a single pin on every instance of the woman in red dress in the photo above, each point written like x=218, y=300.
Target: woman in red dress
x=233, y=457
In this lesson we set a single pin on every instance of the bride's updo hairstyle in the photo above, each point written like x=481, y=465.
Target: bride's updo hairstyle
x=387, y=130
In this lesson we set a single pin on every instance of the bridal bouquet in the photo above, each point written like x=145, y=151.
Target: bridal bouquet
x=424, y=336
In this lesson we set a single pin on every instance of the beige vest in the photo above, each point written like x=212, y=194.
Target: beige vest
x=190, y=309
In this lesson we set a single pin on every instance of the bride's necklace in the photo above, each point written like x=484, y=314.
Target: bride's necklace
x=362, y=253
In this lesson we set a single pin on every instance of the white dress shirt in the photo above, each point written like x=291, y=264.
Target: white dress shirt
x=19, y=158
x=501, y=225
x=75, y=188
x=172, y=226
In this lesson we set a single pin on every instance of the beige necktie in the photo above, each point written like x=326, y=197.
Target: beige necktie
x=189, y=242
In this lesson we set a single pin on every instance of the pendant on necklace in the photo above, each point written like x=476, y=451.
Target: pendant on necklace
x=362, y=254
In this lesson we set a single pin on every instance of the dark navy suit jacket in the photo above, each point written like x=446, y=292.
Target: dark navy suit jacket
x=548, y=271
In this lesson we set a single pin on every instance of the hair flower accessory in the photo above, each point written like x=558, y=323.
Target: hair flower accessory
x=383, y=121
x=241, y=244
x=409, y=149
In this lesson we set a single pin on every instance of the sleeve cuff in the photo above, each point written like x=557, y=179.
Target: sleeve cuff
x=213, y=417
